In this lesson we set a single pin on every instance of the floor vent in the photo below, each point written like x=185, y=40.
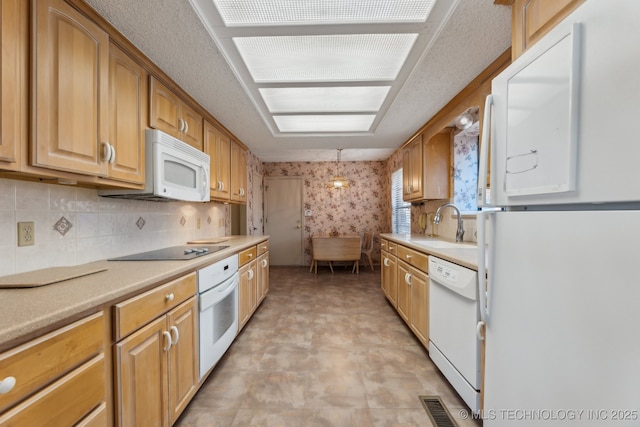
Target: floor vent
x=438, y=413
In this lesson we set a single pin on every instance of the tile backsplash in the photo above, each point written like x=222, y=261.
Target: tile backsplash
x=74, y=225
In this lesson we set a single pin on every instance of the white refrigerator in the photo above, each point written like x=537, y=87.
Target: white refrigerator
x=561, y=227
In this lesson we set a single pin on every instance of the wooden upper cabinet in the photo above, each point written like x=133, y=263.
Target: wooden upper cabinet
x=171, y=115
x=218, y=146
x=70, y=90
x=425, y=168
x=238, y=173
x=14, y=79
x=128, y=102
x=532, y=19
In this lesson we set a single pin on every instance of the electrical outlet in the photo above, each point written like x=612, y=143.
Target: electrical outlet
x=26, y=234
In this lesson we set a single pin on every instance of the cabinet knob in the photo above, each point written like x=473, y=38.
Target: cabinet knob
x=408, y=256
x=170, y=297
x=7, y=384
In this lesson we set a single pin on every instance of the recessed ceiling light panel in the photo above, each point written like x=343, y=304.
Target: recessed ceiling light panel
x=324, y=99
x=347, y=57
x=301, y=12
x=325, y=123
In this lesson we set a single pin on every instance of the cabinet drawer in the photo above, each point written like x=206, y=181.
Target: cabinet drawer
x=384, y=245
x=247, y=255
x=414, y=258
x=65, y=402
x=263, y=247
x=133, y=313
x=44, y=359
x=392, y=248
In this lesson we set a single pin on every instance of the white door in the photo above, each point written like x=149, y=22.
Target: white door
x=258, y=208
x=284, y=220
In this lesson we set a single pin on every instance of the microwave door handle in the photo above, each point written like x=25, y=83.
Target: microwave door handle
x=205, y=183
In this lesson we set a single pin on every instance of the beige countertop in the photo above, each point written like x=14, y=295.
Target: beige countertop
x=464, y=254
x=26, y=311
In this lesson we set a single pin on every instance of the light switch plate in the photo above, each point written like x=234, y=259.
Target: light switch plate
x=26, y=234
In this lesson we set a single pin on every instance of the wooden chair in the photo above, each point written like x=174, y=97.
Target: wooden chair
x=367, y=247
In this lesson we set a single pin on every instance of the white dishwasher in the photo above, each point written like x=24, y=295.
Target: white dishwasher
x=454, y=312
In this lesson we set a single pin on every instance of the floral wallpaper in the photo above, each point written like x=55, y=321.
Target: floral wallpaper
x=254, y=167
x=364, y=206
x=465, y=166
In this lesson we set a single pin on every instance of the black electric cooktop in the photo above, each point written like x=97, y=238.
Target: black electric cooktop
x=182, y=252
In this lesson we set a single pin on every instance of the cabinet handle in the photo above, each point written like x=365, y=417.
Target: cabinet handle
x=107, y=151
x=112, y=158
x=264, y=263
x=167, y=335
x=250, y=274
x=175, y=335
x=180, y=125
x=186, y=126
x=241, y=192
x=408, y=256
x=386, y=262
x=407, y=279
x=170, y=297
x=7, y=384
x=250, y=255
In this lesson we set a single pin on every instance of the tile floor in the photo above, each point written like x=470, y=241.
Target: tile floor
x=322, y=350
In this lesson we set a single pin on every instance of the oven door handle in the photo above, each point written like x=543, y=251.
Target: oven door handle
x=220, y=292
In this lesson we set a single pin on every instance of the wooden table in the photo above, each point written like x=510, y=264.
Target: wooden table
x=338, y=248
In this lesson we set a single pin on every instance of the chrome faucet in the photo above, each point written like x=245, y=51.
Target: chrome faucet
x=460, y=230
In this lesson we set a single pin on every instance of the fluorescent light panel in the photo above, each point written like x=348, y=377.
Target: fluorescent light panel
x=324, y=99
x=302, y=12
x=352, y=57
x=325, y=123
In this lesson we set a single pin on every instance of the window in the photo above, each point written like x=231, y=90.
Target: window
x=400, y=210
x=465, y=165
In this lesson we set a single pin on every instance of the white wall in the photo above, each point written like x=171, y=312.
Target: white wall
x=100, y=227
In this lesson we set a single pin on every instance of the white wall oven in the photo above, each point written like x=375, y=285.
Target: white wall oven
x=218, y=303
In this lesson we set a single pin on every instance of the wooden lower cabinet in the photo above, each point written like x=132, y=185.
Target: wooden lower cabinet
x=262, y=268
x=55, y=386
x=247, y=289
x=404, y=291
x=419, y=305
x=405, y=277
x=157, y=369
x=390, y=277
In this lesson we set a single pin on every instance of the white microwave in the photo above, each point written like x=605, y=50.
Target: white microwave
x=174, y=170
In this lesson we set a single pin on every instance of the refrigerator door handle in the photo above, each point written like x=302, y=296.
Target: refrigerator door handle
x=485, y=259
x=484, y=152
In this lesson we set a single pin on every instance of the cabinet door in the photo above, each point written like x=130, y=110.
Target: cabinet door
x=218, y=147
x=404, y=291
x=263, y=276
x=246, y=293
x=192, y=126
x=238, y=173
x=390, y=278
x=416, y=169
x=183, y=356
x=532, y=19
x=127, y=116
x=141, y=376
x=437, y=164
x=420, y=305
x=70, y=89
x=13, y=115
x=164, y=111
x=406, y=174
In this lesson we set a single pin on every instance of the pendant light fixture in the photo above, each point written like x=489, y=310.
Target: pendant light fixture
x=338, y=181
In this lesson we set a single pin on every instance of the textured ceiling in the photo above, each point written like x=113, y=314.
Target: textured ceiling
x=170, y=33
